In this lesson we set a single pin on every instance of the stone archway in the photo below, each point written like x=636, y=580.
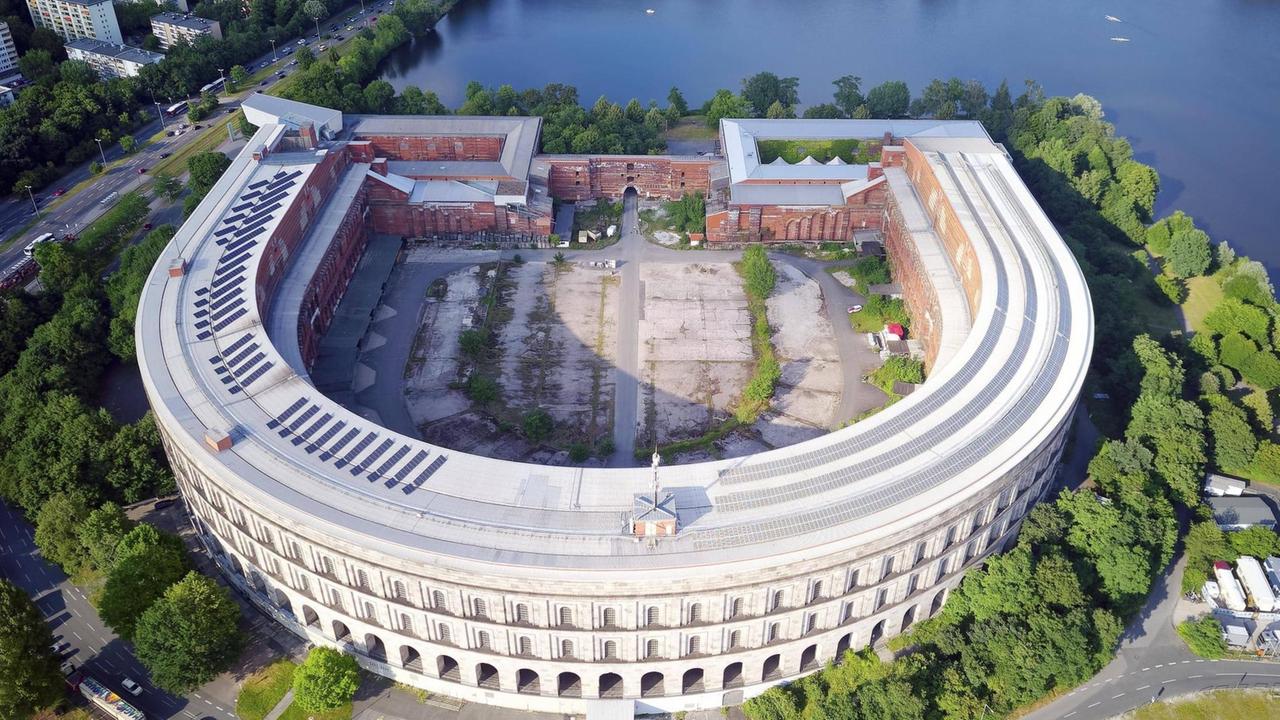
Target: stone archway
x=410, y=658
x=527, y=682
x=908, y=618
x=877, y=633
x=447, y=669
x=692, y=682
x=341, y=632
x=309, y=617
x=809, y=659
x=374, y=647
x=772, y=668
x=732, y=676
x=844, y=645
x=487, y=676
x=938, y=599
x=611, y=685
x=569, y=685
x=651, y=685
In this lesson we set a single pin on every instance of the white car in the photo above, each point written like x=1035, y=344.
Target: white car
x=854, y=309
x=61, y=647
x=133, y=687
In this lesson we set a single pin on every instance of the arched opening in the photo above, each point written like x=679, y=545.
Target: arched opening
x=487, y=676
x=610, y=685
x=908, y=618
x=309, y=617
x=938, y=599
x=733, y=675
x=340, y=631
x=691, y=682
x=569, y=685
x=447, y=669
x=772, y=669
x=527, y=682
x=410, y=658
x=374, y=648
x=236, y=567
x=282, y=601
x=843, y=646
x=809, y=659
x=651, y=685
x=877, y=633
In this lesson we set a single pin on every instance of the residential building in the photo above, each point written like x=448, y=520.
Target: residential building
x=8, y=53
x=111, y=60
x=172, y=28
x=1219, y=485
x=1238, y=513
x=73, y=19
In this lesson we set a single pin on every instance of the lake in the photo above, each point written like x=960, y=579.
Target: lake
x=1196, y=89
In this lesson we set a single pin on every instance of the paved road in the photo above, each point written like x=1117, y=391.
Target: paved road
x=1152, y=662
x=73, y=619
x=626, y=366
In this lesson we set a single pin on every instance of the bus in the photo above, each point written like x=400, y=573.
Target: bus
x=176, y=108
x=107, y=701
x=214, y=86
x=30, y=249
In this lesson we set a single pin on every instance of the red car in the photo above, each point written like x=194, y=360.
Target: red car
x=141, y=170
x=146, y=226
x=59, y=192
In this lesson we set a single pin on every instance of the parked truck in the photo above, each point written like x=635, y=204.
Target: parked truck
x=104, y=699
x=1232, y=592
x=1255, y=582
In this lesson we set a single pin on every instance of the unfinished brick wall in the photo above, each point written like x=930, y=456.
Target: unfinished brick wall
x=443, y=147
x=945, y=223
x=917, y=292
x=331, y=279
x=573, y=178
x=774, y=223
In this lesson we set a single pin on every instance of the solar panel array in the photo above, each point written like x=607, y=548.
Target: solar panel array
x=226, y=298
x=310, y=427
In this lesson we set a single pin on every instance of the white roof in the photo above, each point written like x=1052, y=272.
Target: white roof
x=262, y=110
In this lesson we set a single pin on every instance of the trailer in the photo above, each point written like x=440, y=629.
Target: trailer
x=107, y=701
x=1255, y=581
x=1232, y=593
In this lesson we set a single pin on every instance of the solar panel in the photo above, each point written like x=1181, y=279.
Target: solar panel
x=263, y=368
x=425, y=474
x=219, y=282
x=243, y=354
x=330, y=452
x=289, y=411
x=223, y=291
x=408, y=467
x=246, y=367
x=260, y=183
x=237, y=344
x=377, y=452
x=316, y=425
x=232, y=258
x=305, y=416
x=389, y=463
x=359, y=448
x=222, y=324
x=327, y=436
x=204, y=335
x=223, y=310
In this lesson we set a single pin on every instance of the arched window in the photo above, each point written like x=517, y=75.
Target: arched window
x=776, y=602
x=526, y=646
x=610, y=650
x=651, y=649
x=735, y=608
x=610, y=617
x=367, y=611
x=695, y=645
x=854, y=578
x=566, y=648
x=810, y=622
x=651, y=616
x=443, y=631
x=362, y=579
x=815, y=592
x=406, y=623
x=566, y=616
x=481, y=608
x=735, y=639
x=482, y=640
x=695, y=613
x=522, y=613
x=773, y=632
x=437, y=600
x=888, y=567
x=327, y=563
x=401, y=592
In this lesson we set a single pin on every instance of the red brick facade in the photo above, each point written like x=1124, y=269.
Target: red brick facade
x=391, y=213
x=445, y=147
x=946, y=224
x=573, y=177
x=917, y=291
x=781, y=223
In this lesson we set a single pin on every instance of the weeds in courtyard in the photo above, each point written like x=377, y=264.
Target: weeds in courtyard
x=759, y=279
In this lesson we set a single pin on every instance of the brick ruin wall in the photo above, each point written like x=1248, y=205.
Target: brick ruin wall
x=332, y=276
x=445, y=147
x=946, y=224
x=775, y=223
x=573, y=178
x=391, y=213
x=917, y=292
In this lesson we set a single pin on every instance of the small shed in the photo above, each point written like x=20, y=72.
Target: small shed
x=1216, y=485
x=1238, y=513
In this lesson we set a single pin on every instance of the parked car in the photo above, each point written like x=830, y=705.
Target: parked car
x=133, y=687
x=855, y=309
x=60, y=648
x=264, y=83
x=292, y=63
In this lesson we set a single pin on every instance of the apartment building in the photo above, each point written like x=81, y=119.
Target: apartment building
x=8, y=53
x=72, y=19
x=109, y=59
x=171, y=28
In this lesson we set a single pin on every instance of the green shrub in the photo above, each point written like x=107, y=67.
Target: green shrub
x=1235, y=350
x=870, y=271
x=1171, y=288
x=482, y=389
x=538, y=425
x=758, y=272
x=474, y=342
x=579, y=451
x=1204, y=637
x=605, y=447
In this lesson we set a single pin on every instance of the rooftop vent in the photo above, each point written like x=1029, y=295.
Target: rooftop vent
x=218, y=439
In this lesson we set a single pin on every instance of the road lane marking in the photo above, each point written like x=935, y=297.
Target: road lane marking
x=1095, y=704
x=1189, y=677
x=73, y=632
x=1144, y=687
x=1228, y=674
x=1145, y=669
x=1114, y=697
x=1163, y=682
x=1073, y=712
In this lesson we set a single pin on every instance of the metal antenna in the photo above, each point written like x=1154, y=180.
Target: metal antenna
x=656, y=460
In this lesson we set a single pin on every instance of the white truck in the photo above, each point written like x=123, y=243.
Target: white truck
x=1232, y=593
x=1255, y=581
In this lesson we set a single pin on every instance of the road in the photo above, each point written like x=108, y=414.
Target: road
x=95, y=648
x=73, y=214
x=1153, y=663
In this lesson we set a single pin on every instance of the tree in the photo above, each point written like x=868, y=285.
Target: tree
x=305, y=58
x=315, y=10
x=29, y=677
x=764, y=89
x=239, y=76
x=58, y=530
x=147, y=563
x=1204, y=637
x=128, y=144
x=205, y=169
x=778, y=111
x=1255, y=542
x=1234, y=444
x=675, y=100
x=889, y=99
x=1189, y=253
x=725, y=104
x=538, y=425
x=166, y=186
x=188, y=636
x=848, y=94
x=325, y=680
x=101, y=532
x=823, y=111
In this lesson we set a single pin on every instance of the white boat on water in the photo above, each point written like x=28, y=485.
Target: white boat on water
x=650, y=11
x=1120, y=39
x=1112, y=18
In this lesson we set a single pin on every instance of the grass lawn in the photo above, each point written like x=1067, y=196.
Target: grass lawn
x=1220, y=705
x=793, y=151
x=210, y=139
x=1203, y=293
x=263, y=689
x=296, y=713
x=692, y=127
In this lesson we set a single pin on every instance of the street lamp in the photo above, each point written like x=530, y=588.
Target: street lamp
x=222, y=79
x=33, y=201
x=100, y=151
x=159, y=111
x=274, y=57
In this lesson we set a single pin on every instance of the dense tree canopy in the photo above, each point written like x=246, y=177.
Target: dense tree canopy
x=147, y=563
x=188, y=636
x=29, y=677
x=325, y=680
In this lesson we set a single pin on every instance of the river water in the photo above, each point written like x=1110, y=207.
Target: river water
x=1196, y=89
